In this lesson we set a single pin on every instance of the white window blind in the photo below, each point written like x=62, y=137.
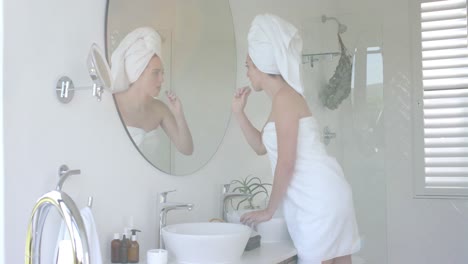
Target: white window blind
x=444, y=53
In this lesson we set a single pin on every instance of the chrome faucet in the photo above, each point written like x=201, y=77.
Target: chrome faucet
x=164, y=208
x=71, y=217
x=226, y=195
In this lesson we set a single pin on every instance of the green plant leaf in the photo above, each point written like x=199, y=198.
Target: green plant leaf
x=254, y=178
x=259, y=192
x=236, y=181
x=258, y=186
x=249, y=185
x=243, y=200
x=241, y=189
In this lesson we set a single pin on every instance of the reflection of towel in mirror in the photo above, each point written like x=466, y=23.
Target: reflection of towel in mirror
x=275, y=47
x=132, y=56
x=140, y=137
x=154, y=145
x=63, y=248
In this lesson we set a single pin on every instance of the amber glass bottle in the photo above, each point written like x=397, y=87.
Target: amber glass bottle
x=134, y=248
x=115, y=249
x=124, y=245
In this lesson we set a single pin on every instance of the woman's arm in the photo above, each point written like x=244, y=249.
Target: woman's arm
x=251, y=134
x=175, y=125
x=287, y=126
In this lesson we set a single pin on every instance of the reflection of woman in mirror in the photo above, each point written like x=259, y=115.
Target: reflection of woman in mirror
x=137, y=71
x=316, y=199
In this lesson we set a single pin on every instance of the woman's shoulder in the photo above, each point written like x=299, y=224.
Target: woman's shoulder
x=288, y=100
x=287, y=97
x=157, y=104
x=158, y=109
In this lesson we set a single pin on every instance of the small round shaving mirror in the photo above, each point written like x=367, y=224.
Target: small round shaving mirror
x=99, y=72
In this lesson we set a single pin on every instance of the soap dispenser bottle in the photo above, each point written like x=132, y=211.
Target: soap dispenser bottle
x=134, y=248
x=115, y=248
x=124, y=245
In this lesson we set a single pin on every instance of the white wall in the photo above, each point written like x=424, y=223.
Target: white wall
x=2, y=176
x=43, y=40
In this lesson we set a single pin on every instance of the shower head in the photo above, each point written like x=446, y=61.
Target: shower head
x=341, y=27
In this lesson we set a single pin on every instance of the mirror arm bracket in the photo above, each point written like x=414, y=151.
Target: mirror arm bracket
x=65, y=90
x=99, y=72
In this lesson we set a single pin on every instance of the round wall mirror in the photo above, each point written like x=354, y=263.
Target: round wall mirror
x=195, y=62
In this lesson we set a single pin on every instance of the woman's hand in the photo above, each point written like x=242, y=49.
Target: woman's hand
x=175, y=125
x=174, y=103
x=240, y=99
x=256, y=217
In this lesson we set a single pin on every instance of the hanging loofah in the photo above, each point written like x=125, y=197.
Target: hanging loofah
x=339, y=85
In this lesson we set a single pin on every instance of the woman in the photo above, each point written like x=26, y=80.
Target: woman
x=137, y=71
x=316, y=199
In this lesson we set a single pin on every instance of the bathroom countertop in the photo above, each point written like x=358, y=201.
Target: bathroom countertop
x=267, y=253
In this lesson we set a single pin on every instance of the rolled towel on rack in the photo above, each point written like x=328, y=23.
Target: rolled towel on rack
x=91, y=232
x=63, y=248
x=64, y=253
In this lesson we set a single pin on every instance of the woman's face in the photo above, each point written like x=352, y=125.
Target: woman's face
x=152, y=77
x=253, y=73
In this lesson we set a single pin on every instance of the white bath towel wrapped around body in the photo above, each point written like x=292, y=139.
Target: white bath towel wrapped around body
x=318, y=205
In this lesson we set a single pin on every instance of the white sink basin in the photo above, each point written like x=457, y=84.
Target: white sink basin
x=206, y=243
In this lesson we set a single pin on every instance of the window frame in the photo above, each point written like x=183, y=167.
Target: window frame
x=420, y=190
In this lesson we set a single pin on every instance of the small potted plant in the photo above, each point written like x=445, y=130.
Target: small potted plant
x=253, y=186
x=273, y=230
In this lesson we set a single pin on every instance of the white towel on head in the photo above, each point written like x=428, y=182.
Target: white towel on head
x=275, y=47
x=133, y=54
x=95, y=256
